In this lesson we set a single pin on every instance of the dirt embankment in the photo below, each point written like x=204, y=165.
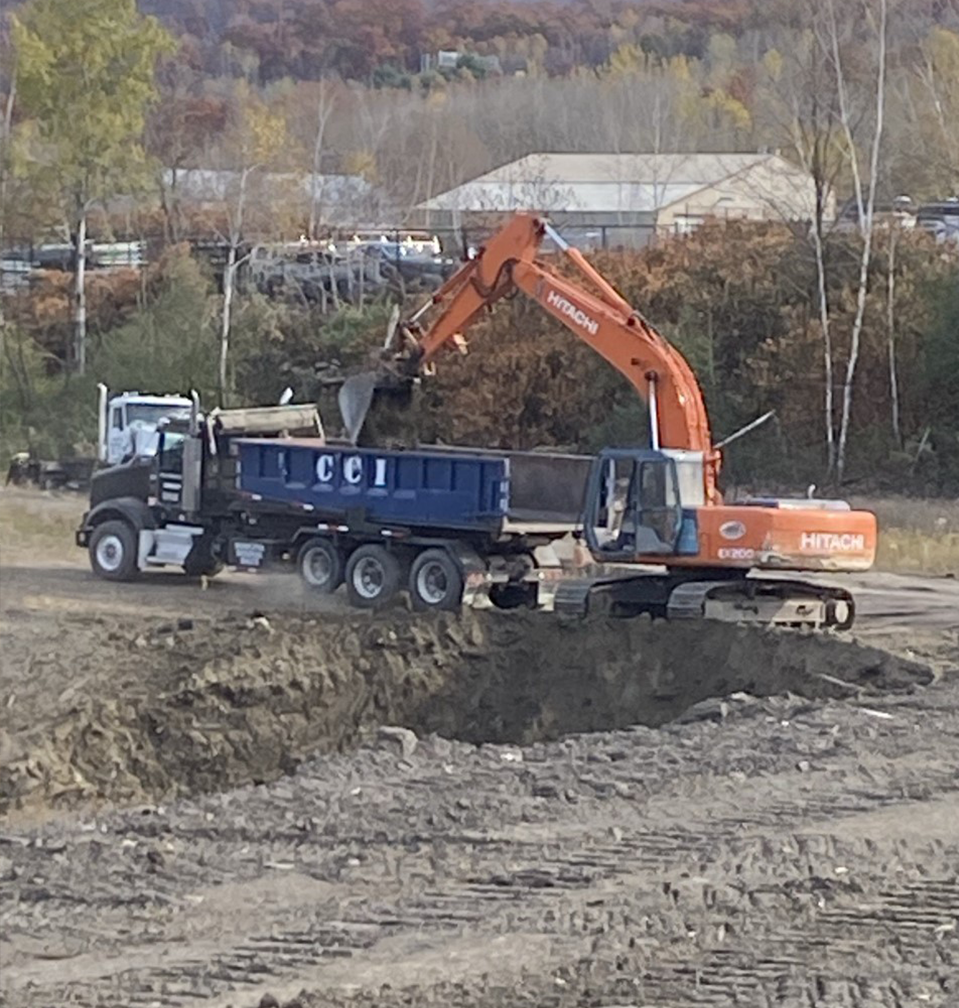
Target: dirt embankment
x=182, y=707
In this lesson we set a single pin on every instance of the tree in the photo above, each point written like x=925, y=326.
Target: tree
x=85, y=78
x=179, y=130
x=864, y=188
x=938, y=100
x=256, y=141
x=891, y=335
x=325, y=101
x=6, y=165
x=801, y=108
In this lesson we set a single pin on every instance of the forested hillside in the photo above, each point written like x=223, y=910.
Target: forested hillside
x=310, y=38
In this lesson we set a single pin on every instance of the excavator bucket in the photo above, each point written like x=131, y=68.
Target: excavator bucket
x=355, y=398
x=356, y=393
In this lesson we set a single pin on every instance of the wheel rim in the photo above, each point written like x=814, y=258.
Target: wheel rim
x=318, y=568
x=432, y=584
x=110, y=553
x=368, y=578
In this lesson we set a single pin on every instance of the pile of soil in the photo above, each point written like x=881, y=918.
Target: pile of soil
x=197, y=705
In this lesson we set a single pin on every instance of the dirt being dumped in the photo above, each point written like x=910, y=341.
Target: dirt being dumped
x=206, y=704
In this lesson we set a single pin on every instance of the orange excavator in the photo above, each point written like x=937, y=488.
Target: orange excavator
x=655, y=507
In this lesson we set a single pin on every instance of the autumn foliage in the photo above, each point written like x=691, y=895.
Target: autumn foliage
x=739, y=301
x=351, y=38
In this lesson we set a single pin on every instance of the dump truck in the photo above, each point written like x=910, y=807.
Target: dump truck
x=451, y=526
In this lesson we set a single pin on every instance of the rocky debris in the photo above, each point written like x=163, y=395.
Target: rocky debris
x=405, y=739
x=695, y=865
x=191, y=705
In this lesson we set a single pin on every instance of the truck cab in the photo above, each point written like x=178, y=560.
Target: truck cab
x=129, y=421
x=172, y=505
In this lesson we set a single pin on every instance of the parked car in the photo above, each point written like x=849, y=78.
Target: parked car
x=417, y=267
x=900, y=211
x=940, y=219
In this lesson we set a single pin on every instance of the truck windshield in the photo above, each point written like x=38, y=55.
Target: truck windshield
x=152, y=413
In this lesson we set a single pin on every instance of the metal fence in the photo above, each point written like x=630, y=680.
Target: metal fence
x=363, y=254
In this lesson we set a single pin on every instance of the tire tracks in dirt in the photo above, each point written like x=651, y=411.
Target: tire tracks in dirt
x=701, y=864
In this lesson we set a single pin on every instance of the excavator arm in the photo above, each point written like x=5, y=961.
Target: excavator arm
x=600, y=317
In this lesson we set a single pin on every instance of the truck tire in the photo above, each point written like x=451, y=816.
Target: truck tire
x=436, y=582
x=320, y=565
x=113, y=551
x=373, y=577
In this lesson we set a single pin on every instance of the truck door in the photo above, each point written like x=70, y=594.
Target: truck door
x=118, y=436
x=179, y=469
x=170, y=468
x=633, y=506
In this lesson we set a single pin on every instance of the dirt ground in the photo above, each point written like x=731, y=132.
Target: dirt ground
x=239, y=795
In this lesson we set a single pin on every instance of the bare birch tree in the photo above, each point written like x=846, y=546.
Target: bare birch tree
x=325, y=104
x=258, y=139
x=864, y=187
x=891, y=335
x=801, y=107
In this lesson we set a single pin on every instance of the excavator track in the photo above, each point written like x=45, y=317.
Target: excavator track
x=764, y=600
x=770, y=601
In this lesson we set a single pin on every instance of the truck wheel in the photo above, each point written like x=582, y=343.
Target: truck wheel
x=436, y=581
x=320, y=565
x=373, y=577
x=113, y=551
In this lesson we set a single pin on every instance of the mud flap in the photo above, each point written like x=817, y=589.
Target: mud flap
x=477, y=577
x=146, y=540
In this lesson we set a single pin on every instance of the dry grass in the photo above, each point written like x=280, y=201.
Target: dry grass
x=915, y=536
x=38, y=525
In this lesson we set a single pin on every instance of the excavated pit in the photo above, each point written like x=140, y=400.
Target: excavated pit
x=204, y=705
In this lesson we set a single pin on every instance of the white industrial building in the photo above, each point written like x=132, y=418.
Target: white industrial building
x=627, y=198
x=335, y=198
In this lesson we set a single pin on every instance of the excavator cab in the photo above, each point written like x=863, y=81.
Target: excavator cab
x=633, y=506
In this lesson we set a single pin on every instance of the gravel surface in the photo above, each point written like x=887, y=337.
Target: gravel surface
x=242, y=797
x=791, y=852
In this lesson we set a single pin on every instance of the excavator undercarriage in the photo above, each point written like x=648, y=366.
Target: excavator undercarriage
x=723, y=595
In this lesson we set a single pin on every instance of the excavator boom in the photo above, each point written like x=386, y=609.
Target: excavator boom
x=601, y=318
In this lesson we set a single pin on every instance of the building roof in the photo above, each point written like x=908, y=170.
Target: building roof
x=600, y=182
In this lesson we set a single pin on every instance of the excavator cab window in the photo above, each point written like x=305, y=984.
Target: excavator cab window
x=633, y=507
